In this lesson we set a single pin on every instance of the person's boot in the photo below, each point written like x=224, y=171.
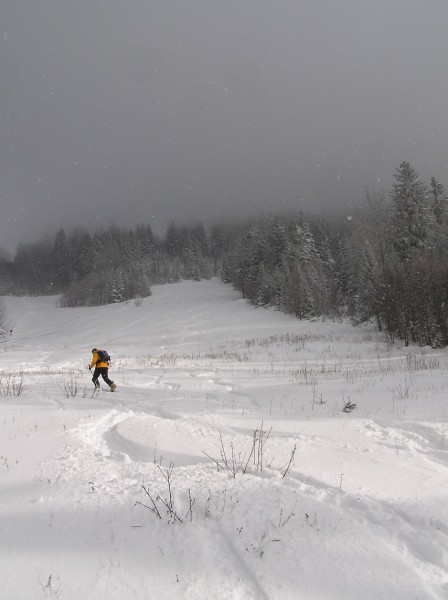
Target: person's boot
x=97, y=385
x=113, y=387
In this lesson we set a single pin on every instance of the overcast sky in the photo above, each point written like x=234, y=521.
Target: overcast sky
x=144, y=111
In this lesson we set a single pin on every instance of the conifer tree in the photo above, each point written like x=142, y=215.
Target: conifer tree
x=411, y=218
x=439, y=205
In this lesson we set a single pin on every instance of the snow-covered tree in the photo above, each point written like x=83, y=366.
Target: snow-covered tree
x=411, y=216
x=439, y=205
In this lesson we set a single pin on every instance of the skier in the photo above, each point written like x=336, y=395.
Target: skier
x=100, y=361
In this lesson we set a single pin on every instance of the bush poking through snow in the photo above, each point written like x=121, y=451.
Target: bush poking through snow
x=11, y=384
x=233, y=462
x=70, y=388
x=165, y=507
x=349, y=406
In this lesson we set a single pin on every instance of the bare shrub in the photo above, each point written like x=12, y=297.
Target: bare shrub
x=166, y=506
x=348, y=406
x=402, y=392
x=70, y=387
x=233, y=462
x=11, y=384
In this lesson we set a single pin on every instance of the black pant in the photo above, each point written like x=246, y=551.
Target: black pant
x=104, y=372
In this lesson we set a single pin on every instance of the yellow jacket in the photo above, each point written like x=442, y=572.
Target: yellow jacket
x=96, y=362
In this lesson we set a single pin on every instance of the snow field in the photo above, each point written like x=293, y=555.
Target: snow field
x=361, y=511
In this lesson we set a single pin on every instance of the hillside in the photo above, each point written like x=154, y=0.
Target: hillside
x=245, y=455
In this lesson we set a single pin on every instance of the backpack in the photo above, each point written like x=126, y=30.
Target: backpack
x=103, y=356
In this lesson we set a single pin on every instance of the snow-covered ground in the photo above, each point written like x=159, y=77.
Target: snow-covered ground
x=224, y=466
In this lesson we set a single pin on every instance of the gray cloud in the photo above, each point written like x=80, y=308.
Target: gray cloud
x=145, y=111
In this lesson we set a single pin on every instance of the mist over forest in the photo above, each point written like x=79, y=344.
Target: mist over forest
x=150, y=112
x=388, y=262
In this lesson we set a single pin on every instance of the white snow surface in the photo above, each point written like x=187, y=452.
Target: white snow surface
x=331, y=504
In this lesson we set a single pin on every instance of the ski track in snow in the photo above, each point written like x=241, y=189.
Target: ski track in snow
x=366, y=491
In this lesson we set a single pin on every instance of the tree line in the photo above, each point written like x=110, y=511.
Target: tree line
x=397, y=260
x=109, y=266
x=388, y=262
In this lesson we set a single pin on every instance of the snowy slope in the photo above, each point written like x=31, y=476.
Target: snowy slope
x=331, y=505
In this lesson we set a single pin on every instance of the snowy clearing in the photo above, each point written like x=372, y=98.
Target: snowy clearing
x=244, y=455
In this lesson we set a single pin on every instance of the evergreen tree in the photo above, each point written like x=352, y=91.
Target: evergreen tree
x=118, y=286
x=439, y=201
x=173, y=240
x=411, y=218
x=145, y=240
x=86, y=256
